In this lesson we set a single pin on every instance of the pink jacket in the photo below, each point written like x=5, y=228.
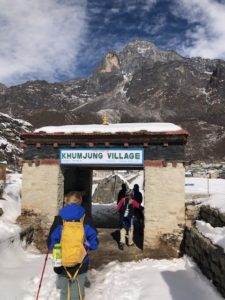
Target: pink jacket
x=135, y=204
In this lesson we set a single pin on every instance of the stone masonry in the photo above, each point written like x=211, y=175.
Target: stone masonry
x=164, y=208
x=210, y=258
x=42, y=189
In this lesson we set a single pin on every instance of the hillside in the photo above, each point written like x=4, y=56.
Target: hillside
x=10, y=130
x=140, y=84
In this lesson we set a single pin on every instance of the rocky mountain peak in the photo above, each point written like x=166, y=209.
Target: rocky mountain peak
x=140, y=46
x=110, y=63
x=139, y=52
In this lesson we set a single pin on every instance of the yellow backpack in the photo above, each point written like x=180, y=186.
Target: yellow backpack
x=72, y=240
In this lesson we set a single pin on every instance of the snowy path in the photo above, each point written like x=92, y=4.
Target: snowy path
x=177, y=279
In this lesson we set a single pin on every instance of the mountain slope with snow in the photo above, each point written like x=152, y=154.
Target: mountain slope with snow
x=139, y=84
x=10, y=130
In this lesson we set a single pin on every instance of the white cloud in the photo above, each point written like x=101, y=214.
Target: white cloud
x=148, y=4
x=158, y=23
x=39, y=38
x=207, y=37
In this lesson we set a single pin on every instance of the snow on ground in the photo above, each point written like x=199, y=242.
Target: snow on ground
x=11, y=203
x=196, y=185
x=111, y=128
x=177, y=279
x=17, y=267
x=215, y=234
x=213, y=191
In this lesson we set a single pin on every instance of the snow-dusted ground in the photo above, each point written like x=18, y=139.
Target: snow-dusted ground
x=20, y=270
x=215, y=234
x=177, y=279
x=212, y=191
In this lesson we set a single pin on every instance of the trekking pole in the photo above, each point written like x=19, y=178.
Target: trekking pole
x=42, y=274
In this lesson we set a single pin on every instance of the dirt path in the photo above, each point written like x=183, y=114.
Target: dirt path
x=108, y=249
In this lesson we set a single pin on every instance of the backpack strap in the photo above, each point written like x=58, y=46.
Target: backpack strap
x=82, y=219
x=71, y=279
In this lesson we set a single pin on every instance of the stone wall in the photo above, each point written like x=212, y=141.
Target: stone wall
x=42, y=189
x=42, y=196
x=164, y=208
x=210, y=258
x=212, y=216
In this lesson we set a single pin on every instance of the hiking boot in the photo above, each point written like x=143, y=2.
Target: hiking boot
x=130, y=245
x=121, y=246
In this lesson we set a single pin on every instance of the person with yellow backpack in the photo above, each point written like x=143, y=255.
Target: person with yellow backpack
x=70, y=238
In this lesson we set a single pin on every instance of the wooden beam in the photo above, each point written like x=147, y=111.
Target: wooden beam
x=153, y=163
x=20, y=162
x=38, y=145
x=126, y=145
x=164, y=163
x=30, y=163
x=37, y=162
x=23, y=145
x=186, y=163
x=55, y=145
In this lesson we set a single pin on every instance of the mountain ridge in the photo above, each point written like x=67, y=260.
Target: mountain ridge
x=141, y=83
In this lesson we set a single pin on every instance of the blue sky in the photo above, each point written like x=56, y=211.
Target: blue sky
x=65, y=39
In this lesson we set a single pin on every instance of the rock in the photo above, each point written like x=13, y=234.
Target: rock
x=1, y=212
x=35, y=227
x=212, y=216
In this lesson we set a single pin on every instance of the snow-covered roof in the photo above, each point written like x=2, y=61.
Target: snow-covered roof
x=112, y=128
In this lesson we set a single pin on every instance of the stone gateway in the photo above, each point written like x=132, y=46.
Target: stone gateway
x=59, y=159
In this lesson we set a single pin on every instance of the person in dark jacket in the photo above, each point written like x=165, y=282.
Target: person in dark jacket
x=137, y=195
x=72, y=211
x=138, y=213
x=122, y=192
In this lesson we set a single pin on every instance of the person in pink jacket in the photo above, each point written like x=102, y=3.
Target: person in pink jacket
x=126, y=208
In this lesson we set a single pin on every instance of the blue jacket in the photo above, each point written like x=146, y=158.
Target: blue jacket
x=72, y=212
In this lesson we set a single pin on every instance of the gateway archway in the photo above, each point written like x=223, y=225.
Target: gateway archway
x=158, y=148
